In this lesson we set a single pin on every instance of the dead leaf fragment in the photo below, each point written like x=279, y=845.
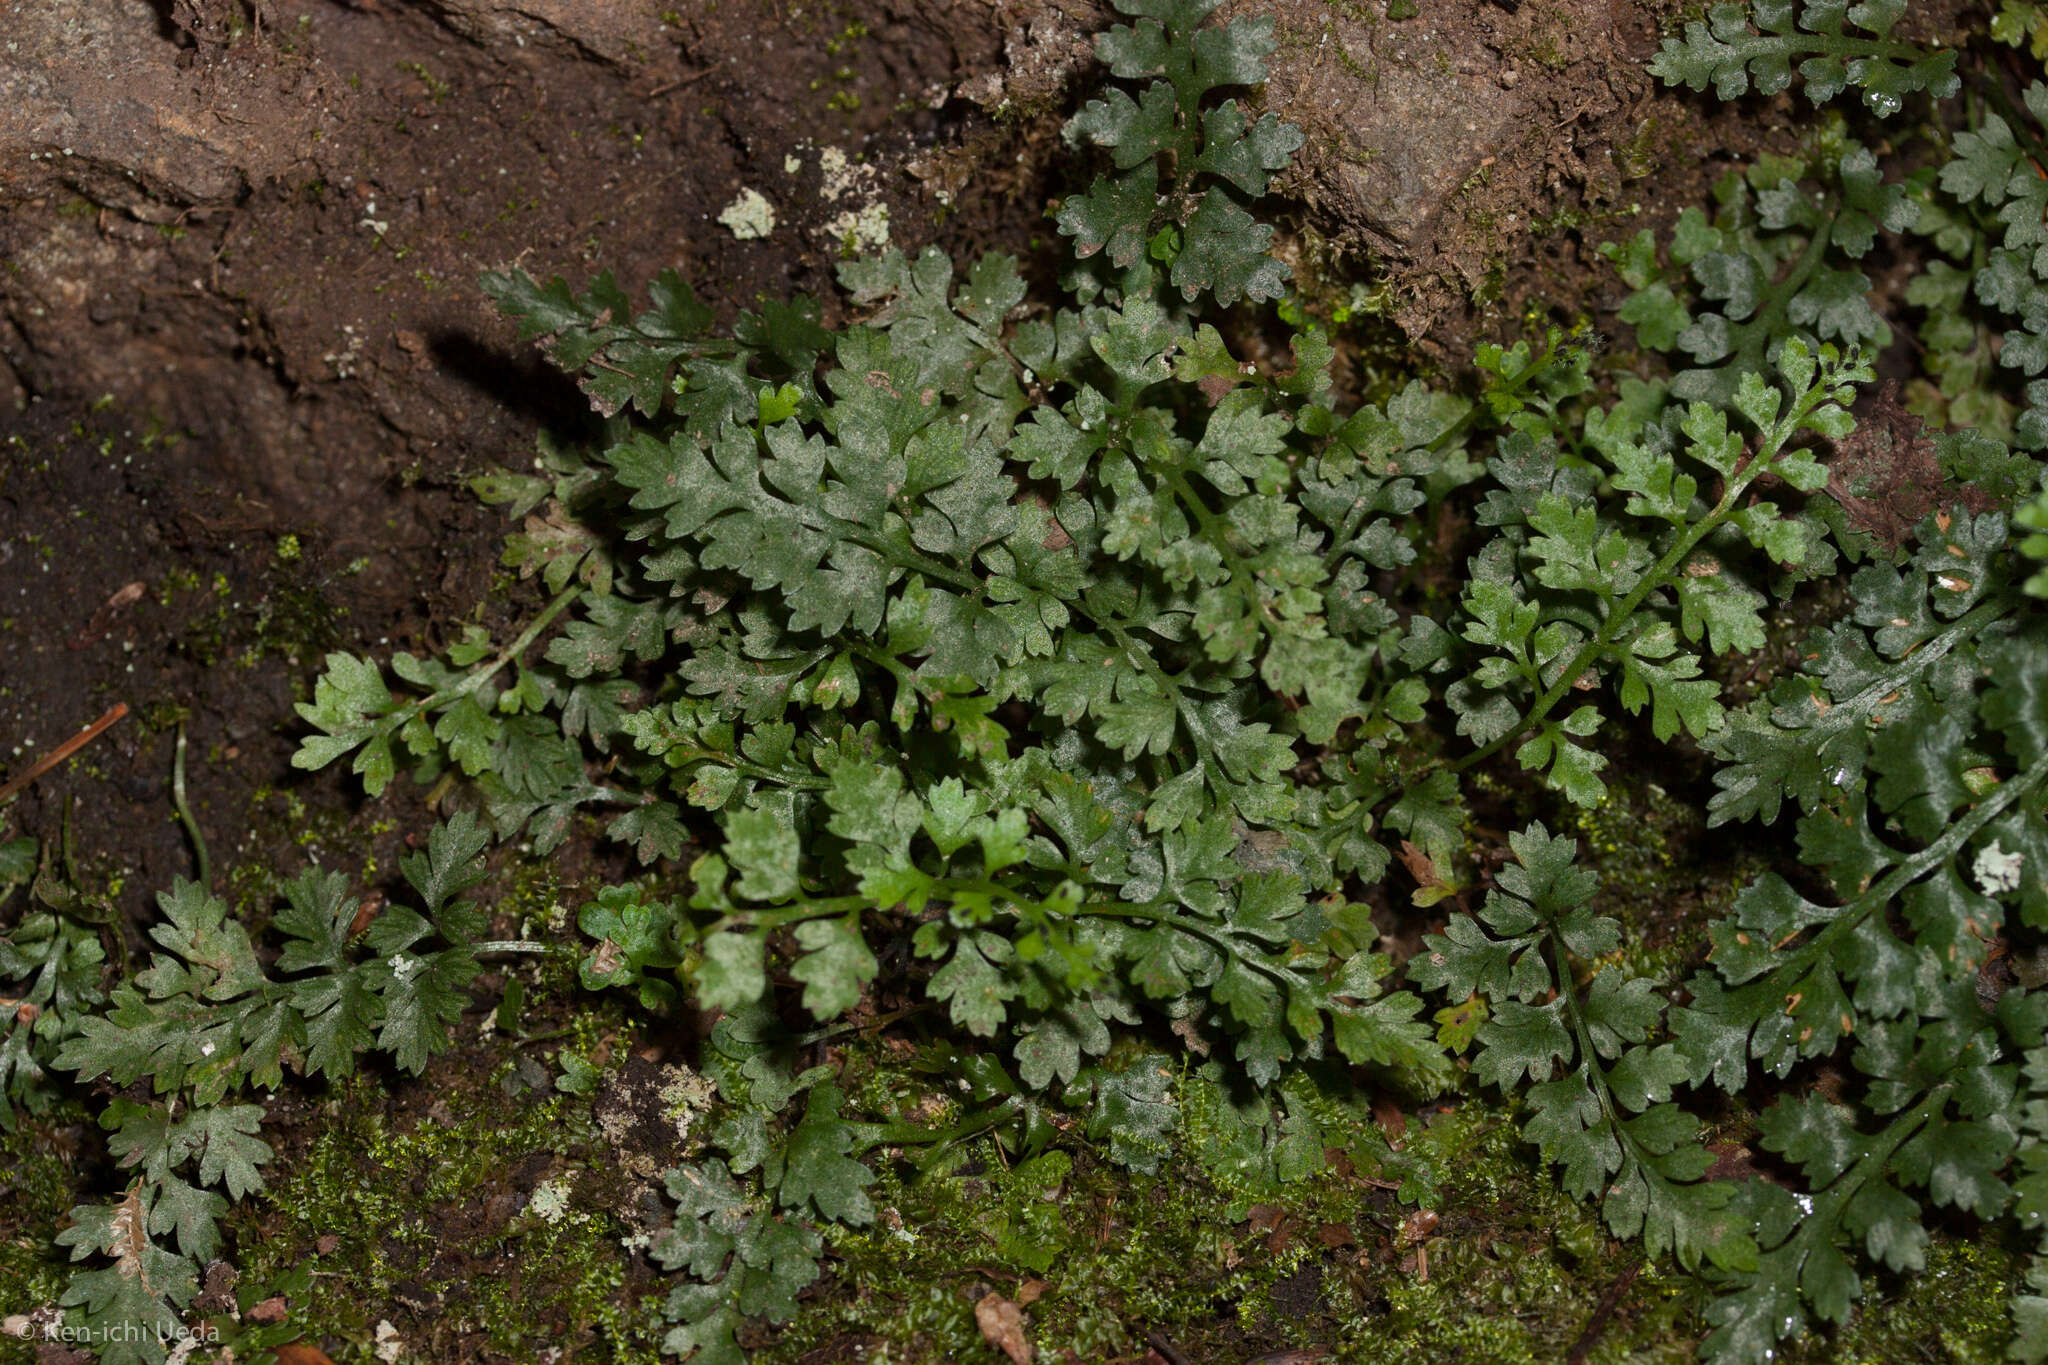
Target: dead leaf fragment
x=218, y=1293
x=1002, y=1326
x=1420, y=866
x=366, y=911
x=297, y=1353
x=103, y=620
x=1387, y=1113
x=1431, y=885
x=1415, y=1232
x=271, y=1310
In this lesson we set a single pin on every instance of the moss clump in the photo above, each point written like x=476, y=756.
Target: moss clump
x=38, y=1185
x=430, y=1215
x=1955, y=1310
x=288, y=615
x=1516, y=1270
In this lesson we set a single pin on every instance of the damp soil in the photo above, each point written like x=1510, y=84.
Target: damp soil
x=265, y=411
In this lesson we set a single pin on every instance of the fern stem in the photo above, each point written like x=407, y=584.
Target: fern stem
x=1167, y=688
x=741, y=766
x=1594, y=1073
x=1596, y=1079
x=1769, y=322
x=910, y=1135
x=775, y=917
x=1899, y=878
x=1219, y=533
x=1856, y=710
x=485, y=672
x=1162, y=913
x=1661, y=576
x=205, y=864
x=1827, y=1205
x=532, y=632
x=495, y=946
x=1450, y=434
x=912, y=562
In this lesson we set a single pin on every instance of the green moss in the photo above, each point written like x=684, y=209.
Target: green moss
x=571, y=1274
x=37, y=1187
x=437, y=89
x=422, y=1187
x=1335, y=46
x=1640, y=842
x=281, y=820
x=1638, y=157
x=542, y=905
x=1955, y=1310
x=1515, y=1269
x=431, y=1213
x=289, y=615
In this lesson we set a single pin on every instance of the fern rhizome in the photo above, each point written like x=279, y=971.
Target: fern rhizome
x=1048, y=675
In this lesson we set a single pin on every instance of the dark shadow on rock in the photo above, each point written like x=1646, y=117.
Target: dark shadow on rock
x=524, y=384
x=167, y=27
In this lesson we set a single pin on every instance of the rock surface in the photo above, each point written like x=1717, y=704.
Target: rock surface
x=104, y=97
x=609, y=30
x=1432, y=141
x=1435, y=140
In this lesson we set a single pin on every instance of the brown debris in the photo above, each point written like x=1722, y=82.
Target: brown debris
x=1002, y=1325
x=298, y=1353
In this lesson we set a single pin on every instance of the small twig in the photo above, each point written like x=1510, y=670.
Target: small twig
x=1163, y=1344
x=1601, y=1313
x=185, y=811
x=63, y=751
x=678, y=83
x=67, y=850
x=522, y=1039
x=440, y=789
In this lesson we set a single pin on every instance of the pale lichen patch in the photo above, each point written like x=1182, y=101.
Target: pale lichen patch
x=750, y=216
x=862, y=232
x=549, y=1201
